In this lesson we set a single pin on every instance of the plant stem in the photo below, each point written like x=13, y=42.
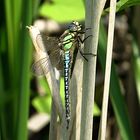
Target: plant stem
x=93, y=13
x=108, y=69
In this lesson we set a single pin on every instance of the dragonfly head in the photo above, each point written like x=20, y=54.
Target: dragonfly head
x=75, y=26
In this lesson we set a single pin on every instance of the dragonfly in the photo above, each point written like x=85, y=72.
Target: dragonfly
x=60, y=51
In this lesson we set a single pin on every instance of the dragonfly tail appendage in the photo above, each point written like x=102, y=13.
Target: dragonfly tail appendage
x=67, y=64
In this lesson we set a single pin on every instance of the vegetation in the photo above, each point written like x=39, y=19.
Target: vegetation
x=23, y=95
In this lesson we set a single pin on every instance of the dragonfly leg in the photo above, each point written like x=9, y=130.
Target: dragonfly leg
x=83, y=31
x=82, y=41
x=82, y=53
x=86, y=54
x=87, y=28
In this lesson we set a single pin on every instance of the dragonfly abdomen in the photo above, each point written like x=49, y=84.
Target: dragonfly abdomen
x=67, y=67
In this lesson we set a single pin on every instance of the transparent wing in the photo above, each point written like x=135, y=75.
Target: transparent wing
x=56, y=58
x=50, y=43
x=41, y=67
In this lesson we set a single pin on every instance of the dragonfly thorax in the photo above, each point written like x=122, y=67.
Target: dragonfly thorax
x=69, y=36
x=67, y=42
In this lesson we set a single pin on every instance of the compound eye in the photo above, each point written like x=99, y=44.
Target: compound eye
x=72, y=27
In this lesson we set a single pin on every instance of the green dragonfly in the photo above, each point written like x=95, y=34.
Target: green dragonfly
x=60, y=52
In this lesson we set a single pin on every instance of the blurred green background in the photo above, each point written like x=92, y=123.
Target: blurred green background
x=22, y=95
